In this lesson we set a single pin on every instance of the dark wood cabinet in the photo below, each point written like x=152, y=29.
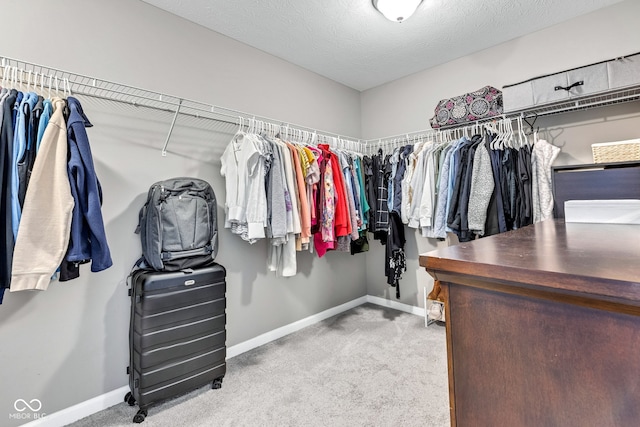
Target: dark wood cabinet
x=543, y=326
x=604, y=181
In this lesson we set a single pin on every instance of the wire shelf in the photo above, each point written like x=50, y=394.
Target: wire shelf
x=50, y=80
x=602, y=99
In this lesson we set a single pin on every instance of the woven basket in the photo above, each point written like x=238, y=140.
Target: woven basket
x=621, y=151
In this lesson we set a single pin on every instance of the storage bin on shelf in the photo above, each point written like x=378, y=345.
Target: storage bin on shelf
x=619, y=151
x=606, y=82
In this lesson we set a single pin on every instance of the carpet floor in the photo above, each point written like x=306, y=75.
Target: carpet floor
x=369, y=366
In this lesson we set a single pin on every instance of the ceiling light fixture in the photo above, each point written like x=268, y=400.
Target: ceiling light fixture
x=396, y=10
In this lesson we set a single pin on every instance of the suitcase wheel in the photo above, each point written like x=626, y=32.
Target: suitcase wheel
x=140, y=416
x=217, y=383
x=128, y=398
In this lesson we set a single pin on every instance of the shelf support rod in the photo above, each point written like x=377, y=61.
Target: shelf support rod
x=173, y=123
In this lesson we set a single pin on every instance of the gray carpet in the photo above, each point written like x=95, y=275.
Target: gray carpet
x=369, y=366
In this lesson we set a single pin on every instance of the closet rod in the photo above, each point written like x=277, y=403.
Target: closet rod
x=406, y=135
x=112, y=91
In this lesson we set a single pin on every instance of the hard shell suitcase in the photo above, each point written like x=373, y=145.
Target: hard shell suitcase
x=177, y=334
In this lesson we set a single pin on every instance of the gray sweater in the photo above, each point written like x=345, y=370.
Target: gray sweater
x=482, y=186
x=542, y=157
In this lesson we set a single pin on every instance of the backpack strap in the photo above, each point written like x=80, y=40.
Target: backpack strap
x=140, y=215
x=164, y=256
x=140, y=264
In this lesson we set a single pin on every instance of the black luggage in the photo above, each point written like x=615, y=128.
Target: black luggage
x=177, y=334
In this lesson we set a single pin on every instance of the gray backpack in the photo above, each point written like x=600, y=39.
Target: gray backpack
x=178, y=226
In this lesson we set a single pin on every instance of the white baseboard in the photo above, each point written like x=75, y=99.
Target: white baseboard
x=81, y=410
x=396, y=305
x=99, y=403
x=290, y=328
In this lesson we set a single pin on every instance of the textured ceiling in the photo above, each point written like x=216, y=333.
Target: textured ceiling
x=350, y=42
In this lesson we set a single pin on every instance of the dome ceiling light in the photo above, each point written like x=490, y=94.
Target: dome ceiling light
x=396, y=10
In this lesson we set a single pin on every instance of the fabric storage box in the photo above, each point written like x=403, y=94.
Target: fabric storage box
x=621, y=151
x=481, y=104
x=576, y=83
x=624, y=72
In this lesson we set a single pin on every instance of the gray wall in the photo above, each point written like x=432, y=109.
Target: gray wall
x=69, y=344
x=407, y=104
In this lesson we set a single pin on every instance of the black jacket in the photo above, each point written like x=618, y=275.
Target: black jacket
x=6, y=153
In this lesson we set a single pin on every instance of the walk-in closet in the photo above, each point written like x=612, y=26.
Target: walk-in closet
x=339, y=324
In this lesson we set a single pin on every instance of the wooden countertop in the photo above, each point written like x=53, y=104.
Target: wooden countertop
x=595, y=260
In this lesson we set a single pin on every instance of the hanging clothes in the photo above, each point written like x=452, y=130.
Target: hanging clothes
x=370, y=167
x=7, y=100
x=381, y=226
x=542, y=157
x=44, y=231
x=401, y=167
x=524, y=180
x=364, y=203
x=439, y=222
x=26, y=153
x=499, y=196
x=88, y=238
x=458, y=217
x=328, y=199
x=347, y=181
x=43, y=195
x=32, y=141
x=325, y=238
x=395, y=259
x=481, y=190
x=314, y=198
x=22, y=110
x=244, y=167
x=304, y=214
x=44, y=120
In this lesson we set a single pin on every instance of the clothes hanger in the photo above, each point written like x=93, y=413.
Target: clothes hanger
x=5, y=73
x=510, y=135
x=523, y=136
x=14, y=77
x=35, y=82
x=531, y=124
x=28, y=85
x=504, y=141
x=508, y=142
x=491, y=128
